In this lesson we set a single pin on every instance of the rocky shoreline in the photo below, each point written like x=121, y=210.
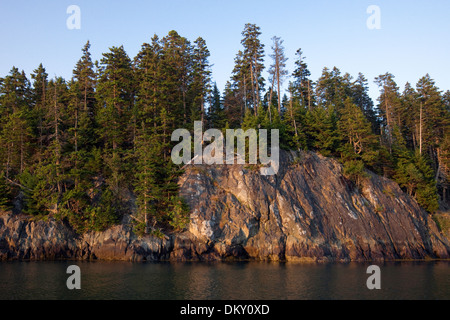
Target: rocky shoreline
x=307, y=212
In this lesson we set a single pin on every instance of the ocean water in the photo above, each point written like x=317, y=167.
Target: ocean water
x=224, y=281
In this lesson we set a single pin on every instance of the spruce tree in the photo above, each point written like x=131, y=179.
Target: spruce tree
x=201, y=82
x=356, y=131
x=432, y=116
x=216, y=112
x=321, y=130
x=148, y=170
x=302, y=87
x=5, y=194
x=253, y=58
x=388, y=107
x=115, y=97
x=176, y=84
x=39, y=97
x=278, y=68
x=360, y=96
x=149, y=87
x=410, y=113
x=83, y=101
x=333, y=88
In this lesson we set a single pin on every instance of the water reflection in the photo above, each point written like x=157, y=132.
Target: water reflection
x=219, y=281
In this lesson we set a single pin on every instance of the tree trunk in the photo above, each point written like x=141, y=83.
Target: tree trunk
x=270, y=98
x=257, y=90
x=420, y=129
x=85, y=96
x=292, y=116
x=21, y=152
x=277, y=66
x=309, y=95
x=145, y=203
x=184, y=105
x=57, y=160
x=76, y=129
x=253, y=85
x=388, y=120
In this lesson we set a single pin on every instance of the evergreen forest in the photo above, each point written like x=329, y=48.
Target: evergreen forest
x=94, y=147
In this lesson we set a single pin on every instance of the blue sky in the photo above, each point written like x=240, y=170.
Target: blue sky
x=413, y=39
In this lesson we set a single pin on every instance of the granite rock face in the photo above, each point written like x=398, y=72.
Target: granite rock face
x=21, y=238
x=307, y=212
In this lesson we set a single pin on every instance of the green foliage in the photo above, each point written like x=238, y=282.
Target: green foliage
x=216, y=113
x=415, y=175
x=105, y=213
x=178, y=214
x=37, y=197
x=85, y=216
x=355, y=132
x=5, y=194
x=354, y=170
x=158, y=234
x=321, y=130
x=443, y=222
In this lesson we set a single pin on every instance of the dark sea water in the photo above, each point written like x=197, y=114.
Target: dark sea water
x=223, y=281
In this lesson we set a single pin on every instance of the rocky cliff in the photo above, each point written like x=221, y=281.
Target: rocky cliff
x=307, y=212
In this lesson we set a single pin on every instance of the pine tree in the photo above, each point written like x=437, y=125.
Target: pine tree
x=410, y=114
x=432, y=116
x=416, y=177
x=333, y=89
x=302, y=87
x=84, y=74
x=16, y=139
x=321, y=130
x=278, y=68
x=45, y=180
x=177, y=71
x=388, y=107
x=15, y=93
x=147, y=187
x=356, y=131
x=237, y=91
x=5, y=194
x=294, y=119
x=360, y=96
x=16, y=122
x=83, y=100
x=446, y=100
x=233, y=105
x=148, y=73
x=244, y=89
x=39, y=96
x=254, y=57
x=216, y=112
x=201, y=84
x=115, y=97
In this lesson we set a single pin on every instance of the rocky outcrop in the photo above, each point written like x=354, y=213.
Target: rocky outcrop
x=307, y=212
x=22, y=238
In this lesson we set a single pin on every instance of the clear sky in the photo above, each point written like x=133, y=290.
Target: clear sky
x=413, y=39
